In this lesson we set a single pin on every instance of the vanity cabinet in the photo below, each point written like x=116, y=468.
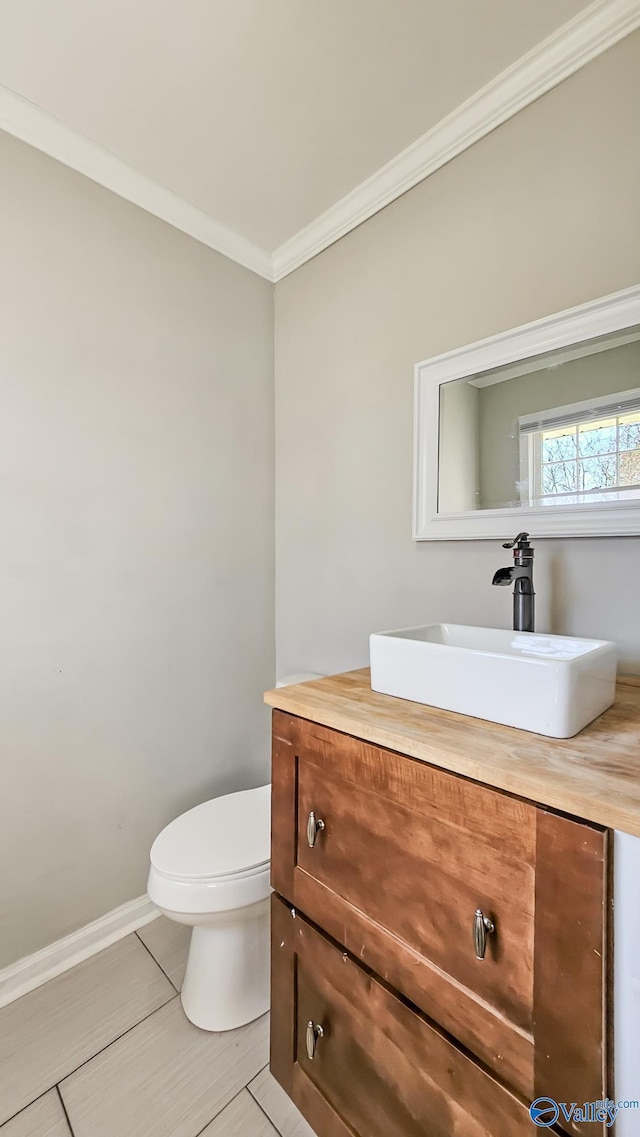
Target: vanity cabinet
x=440, y=949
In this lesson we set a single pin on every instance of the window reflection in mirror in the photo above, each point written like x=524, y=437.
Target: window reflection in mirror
x=556, y=429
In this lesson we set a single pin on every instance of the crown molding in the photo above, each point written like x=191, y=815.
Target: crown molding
x=564, y=52
x=569, y=48
x=31, y=124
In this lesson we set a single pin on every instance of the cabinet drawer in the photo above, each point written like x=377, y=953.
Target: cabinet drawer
x=420, y=852
x=406, y=856
x=379, y=1069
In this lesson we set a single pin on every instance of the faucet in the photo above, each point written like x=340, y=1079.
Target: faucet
x=521, y=574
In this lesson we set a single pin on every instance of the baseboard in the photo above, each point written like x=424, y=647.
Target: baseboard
x=32, y=970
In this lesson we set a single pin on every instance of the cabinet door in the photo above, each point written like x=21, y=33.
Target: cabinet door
x=405, y=857
x=379, y=1068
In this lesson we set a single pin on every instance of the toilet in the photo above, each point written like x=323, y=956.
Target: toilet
x=210, y=869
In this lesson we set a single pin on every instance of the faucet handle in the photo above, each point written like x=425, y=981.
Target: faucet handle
x=519, y=542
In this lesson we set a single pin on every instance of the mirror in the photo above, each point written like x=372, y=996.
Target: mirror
x=562, y=428
x=538, y=428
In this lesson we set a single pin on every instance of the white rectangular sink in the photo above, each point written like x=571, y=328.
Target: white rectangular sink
x=551, y=685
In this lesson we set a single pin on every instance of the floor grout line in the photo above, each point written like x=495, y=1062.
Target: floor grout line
x=259, y=1103
x=114, y=1040
x=241, y=1091
x=157, y=962
x=251, y=1091
x=262, y=1109
x=260, y=1071
x=27, y=1106
x=57, y=1085
x=212, y=1119
x=64, y=1110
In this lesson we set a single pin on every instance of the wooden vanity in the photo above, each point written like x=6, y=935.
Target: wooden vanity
x=441, y=921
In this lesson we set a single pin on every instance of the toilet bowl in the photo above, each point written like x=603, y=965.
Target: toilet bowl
x=210, y=869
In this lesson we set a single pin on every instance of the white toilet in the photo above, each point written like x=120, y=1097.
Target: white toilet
x=210, y=869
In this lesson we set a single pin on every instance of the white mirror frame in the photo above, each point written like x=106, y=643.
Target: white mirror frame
x=564, y=329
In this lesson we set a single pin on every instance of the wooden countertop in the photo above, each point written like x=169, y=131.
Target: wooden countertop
x=595, y=776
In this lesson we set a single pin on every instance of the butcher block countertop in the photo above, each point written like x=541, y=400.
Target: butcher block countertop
x=595, y=776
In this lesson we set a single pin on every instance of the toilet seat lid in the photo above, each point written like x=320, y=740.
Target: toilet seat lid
x=221, y=837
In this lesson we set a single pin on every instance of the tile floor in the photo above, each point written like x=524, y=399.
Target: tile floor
x=106, y=1051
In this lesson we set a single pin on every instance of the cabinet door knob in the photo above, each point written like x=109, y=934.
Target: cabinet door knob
x=315, y=825
x=482, y=927
x=314, y=1032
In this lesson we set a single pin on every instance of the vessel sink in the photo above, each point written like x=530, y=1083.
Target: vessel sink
x=551, y=685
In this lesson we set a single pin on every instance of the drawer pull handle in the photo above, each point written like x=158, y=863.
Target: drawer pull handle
x=314, y=1032
x=315, y=825
x=482, y=927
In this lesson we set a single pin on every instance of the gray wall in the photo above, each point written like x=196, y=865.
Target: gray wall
x=539, y=216
x=500, y=406
x=136, y=522
x=458, y=449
